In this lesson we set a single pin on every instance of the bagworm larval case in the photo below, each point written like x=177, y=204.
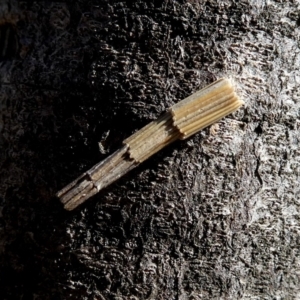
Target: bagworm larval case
x=182, y=120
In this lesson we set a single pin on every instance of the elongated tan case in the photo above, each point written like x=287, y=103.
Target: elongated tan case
x=182, y=120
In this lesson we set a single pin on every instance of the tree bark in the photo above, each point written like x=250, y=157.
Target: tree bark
x=212, y=217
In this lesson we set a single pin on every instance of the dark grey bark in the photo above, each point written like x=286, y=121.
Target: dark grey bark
x=214, y=217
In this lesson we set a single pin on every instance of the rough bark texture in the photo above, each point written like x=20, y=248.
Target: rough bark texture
x=214, y=217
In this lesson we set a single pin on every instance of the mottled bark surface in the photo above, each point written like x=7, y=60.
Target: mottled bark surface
x=213, y=217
